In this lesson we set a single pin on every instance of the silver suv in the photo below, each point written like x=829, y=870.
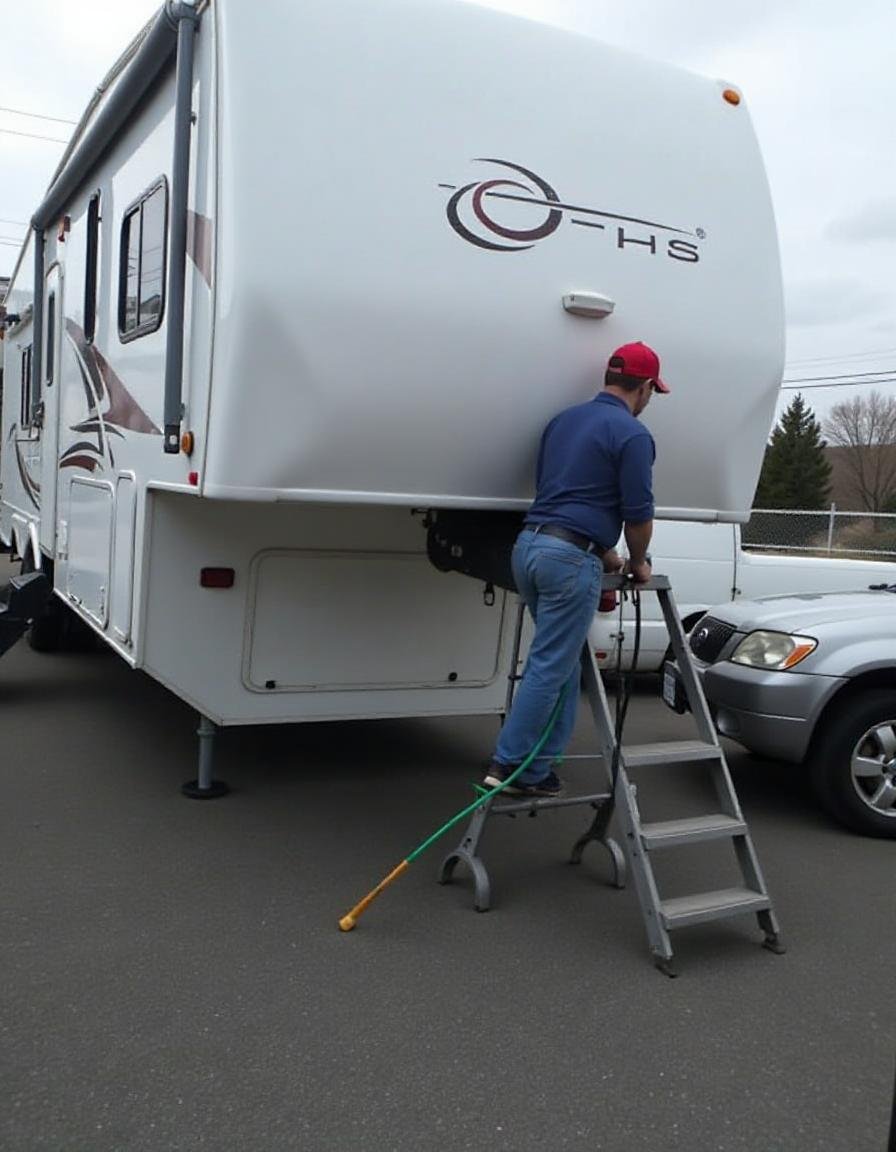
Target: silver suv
x=811, y=678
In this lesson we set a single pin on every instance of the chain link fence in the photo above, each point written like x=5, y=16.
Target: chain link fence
x=870, y=535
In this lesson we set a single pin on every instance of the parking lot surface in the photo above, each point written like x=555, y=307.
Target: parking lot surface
x=173, y=977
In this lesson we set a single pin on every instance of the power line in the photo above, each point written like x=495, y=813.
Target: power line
x=842, y=357
x=37, y=116
x=19, y=223
x=34, y=136
x=840, y=376
x=838, y=384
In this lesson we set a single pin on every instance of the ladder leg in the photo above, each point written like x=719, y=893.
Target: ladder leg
x=598, y=832
x=721, y=775
x=641, y=870
x=467, y=853
x=768, y=922
x=692, y=686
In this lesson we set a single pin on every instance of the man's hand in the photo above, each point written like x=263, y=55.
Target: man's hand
x=640, y=572
x=613, y=562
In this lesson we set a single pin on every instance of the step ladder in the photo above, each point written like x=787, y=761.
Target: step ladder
x=641, y=840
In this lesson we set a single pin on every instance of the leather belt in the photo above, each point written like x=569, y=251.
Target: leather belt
x=576, y=538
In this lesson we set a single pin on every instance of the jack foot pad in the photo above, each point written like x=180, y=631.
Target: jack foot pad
x=667, y=967
x=216, y=789
x=774, y=944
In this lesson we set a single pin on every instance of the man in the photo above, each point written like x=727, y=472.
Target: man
x=594, y=475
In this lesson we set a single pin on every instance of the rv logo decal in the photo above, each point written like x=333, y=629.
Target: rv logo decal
x=470, y=217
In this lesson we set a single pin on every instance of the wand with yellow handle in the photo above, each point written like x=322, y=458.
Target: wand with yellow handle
x=350, y=919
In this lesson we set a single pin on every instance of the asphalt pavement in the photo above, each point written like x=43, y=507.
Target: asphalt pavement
x=172, y=976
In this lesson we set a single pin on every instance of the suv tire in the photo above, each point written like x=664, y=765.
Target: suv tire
x=853, y=761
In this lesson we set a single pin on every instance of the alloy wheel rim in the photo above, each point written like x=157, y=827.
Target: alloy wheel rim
x=873, y=768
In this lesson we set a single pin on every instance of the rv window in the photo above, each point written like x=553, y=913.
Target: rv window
x=143, y=248
x=130, y=273
x=25, y=412
x=93, y=246
x=51, y=337
x=152, y=253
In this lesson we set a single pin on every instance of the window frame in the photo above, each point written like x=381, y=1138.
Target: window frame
x=135, y=209
x=50, y=347
x=91, y=265
x=26, y=415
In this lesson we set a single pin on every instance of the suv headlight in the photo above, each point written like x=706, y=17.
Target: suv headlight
x=773, y=650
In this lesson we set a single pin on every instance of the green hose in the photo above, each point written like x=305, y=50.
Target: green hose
x=489, y=794
x=349, y=920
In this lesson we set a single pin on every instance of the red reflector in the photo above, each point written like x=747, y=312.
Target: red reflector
x=193, y=478
x=600, y=655
x=216, y=577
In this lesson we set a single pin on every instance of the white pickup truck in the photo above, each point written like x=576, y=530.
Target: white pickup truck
x=706, y=565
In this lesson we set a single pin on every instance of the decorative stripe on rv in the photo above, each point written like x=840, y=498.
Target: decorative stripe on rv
x=199, y=244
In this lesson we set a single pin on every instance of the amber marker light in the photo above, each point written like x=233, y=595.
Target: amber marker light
x=799, y=653
x=186, y=443
x=731, y=95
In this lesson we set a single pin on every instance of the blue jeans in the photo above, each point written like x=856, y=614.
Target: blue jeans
x=561, y=587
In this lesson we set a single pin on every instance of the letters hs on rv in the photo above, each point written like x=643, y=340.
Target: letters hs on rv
x=468, y=216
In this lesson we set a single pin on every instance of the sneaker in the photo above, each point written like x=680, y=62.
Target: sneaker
x=550, y=785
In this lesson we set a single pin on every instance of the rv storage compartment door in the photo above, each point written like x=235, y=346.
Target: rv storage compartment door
x=337, y=620
x=90, y=546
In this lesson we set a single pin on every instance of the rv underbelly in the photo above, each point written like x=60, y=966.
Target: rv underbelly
x=333, y=613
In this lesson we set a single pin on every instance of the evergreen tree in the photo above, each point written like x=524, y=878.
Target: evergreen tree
x=795, y=471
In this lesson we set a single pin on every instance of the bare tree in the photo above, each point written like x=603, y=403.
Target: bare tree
x=866, y=428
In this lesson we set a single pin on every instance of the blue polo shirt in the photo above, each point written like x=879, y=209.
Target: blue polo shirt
x=595, y=470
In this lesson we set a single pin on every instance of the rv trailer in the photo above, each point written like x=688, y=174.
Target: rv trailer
x=310, y=273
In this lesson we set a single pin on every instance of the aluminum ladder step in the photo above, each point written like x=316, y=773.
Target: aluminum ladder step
x=703, y=906
x=691, y=830
x=669, y=752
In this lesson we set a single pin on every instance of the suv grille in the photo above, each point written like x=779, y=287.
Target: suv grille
x=709, y=637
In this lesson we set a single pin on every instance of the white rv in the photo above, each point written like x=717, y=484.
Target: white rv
x=311, y=271
x=707, y=565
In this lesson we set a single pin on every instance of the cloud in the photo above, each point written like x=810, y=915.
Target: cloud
x=875, y=220
x=835, y=300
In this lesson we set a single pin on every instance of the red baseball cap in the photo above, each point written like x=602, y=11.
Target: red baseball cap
x=637, y=360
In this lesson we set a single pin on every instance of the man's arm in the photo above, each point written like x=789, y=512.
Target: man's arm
x=637, y=538
x=636, y=488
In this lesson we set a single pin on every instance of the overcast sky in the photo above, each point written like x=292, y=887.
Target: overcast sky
x=817, y=75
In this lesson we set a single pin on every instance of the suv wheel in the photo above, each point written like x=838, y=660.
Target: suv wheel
x=853, y=763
